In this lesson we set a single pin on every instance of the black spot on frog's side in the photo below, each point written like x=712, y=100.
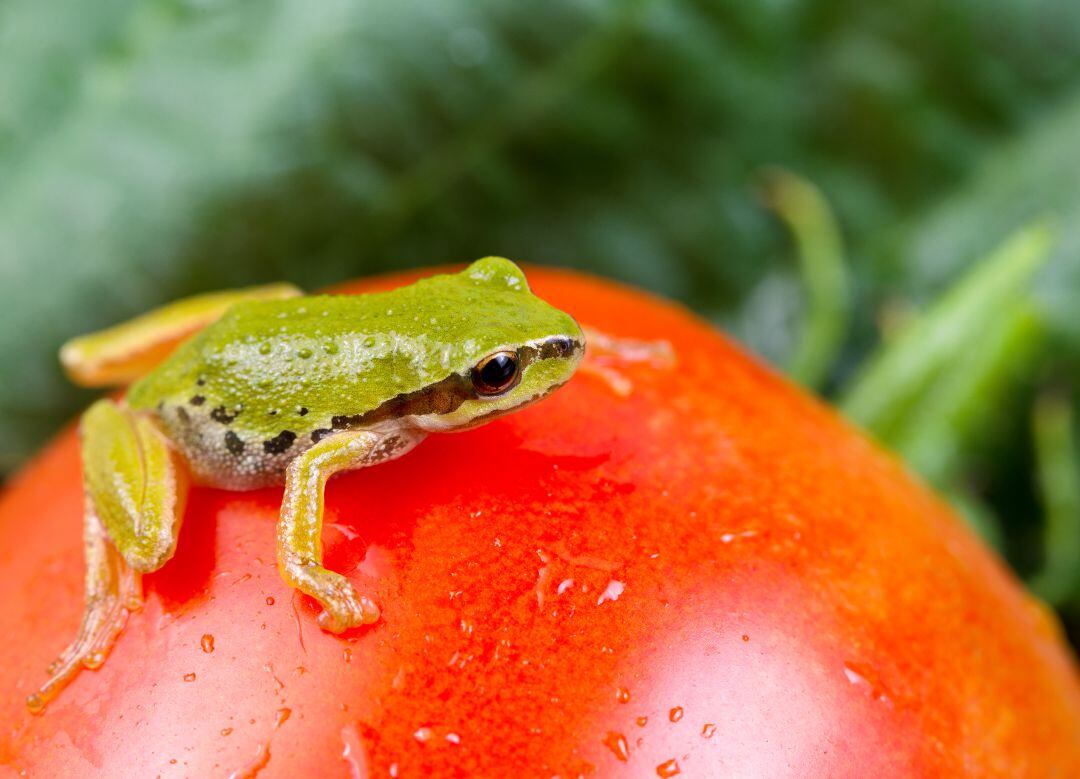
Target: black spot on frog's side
x=384, y=449
x=320, y=434
x=220, y=414
x=303, y=411
x=279, y=443
x=233, y=443
x=182, y=414
x=197, y=400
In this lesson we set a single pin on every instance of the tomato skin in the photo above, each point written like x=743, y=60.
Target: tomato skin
x=714, y=570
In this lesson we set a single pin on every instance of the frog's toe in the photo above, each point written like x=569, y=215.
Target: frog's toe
x=332, y=623
x=347, y=609
x=106, y=611
x=371, y=611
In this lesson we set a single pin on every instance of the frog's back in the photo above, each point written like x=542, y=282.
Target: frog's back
x=271, y=377
x=257, y=387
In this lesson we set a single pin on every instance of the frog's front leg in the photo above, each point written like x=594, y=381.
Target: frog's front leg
x=135, y=487
x=299, y=534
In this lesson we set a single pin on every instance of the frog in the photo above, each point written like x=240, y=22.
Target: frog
x=266, y=386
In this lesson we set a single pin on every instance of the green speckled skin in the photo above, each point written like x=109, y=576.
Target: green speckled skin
x=261, y=384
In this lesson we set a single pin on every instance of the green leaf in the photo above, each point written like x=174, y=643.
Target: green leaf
x=887, y=390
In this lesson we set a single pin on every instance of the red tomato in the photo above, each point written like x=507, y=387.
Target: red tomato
x=713, y=574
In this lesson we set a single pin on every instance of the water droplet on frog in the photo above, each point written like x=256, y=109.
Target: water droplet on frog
x=226, y=731
x=745, y=637
x=622, y=695
x=675, y=714
x=642, y=721
x=207, y=643
x=304, y=353
x=93, y=660
x=347, y=654
x=616, y=742
x=709, y=730
x=265, y=348
x=35, y=703
x=668, y=768
x=331, y=348
x=269, y=600
x=189, y=677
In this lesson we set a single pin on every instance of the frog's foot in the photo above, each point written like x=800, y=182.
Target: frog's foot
x=607, y=355
x=343, y=606
x=107, y=607
x=300, y=525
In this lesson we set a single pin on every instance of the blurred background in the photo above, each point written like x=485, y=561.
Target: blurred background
x=883, y=200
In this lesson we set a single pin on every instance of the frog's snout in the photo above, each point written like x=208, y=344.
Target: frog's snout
x=562, y=346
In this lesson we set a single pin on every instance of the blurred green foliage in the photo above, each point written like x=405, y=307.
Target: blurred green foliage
x=152, y=149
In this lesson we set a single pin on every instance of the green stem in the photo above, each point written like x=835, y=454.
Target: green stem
x=1058, y=470
x=821, y=261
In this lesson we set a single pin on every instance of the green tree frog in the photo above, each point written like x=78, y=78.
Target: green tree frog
x=273, y=387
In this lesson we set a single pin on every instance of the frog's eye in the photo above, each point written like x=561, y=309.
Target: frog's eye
x=496, y=373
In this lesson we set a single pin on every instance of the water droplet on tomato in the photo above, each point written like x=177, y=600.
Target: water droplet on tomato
x=616, y=742
x=423, y=735
x=668, y=768
x=280, y=717
x=612, y=592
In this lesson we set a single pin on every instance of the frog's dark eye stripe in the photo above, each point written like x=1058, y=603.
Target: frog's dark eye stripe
x=496, y=373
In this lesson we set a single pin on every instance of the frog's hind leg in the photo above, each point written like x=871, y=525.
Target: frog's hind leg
x=129, y=350
x=299, y=535
x=112, y=591
x=135, y=489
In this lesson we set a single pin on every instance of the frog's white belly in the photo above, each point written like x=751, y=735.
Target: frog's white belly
x=230, y=456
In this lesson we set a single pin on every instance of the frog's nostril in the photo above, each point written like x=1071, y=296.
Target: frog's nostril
x=562, y=347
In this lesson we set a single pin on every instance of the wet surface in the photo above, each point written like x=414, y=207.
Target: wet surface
x=674, y=582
